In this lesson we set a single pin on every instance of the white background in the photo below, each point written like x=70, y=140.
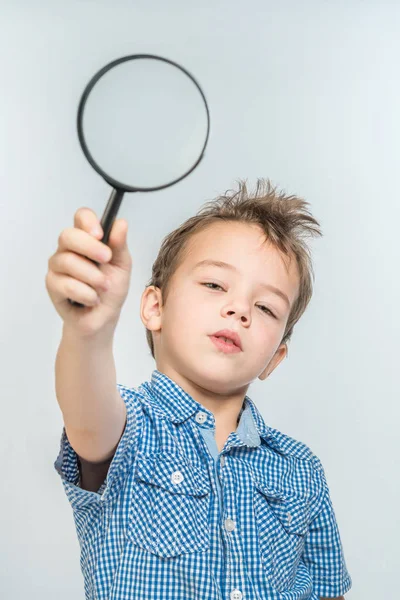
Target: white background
x=305, y=93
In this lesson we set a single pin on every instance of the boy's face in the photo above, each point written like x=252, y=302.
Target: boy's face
x=194, y=311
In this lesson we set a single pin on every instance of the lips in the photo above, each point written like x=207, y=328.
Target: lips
x=231, y=335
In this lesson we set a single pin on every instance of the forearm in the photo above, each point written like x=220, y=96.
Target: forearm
x=86, y=388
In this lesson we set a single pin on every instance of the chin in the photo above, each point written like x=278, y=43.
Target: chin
x=213, y=376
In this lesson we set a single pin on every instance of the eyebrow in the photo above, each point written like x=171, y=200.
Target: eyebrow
x=224, y=265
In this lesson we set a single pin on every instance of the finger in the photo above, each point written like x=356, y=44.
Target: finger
x=118, y=243
x=86, y=219
x=78, y=267
x=61, y=288
x=77, y=240
x=75, y=290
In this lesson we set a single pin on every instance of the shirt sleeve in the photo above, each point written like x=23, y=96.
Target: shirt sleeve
x=323, y=552
x=67, y=465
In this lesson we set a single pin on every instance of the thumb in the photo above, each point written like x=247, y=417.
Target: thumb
x=118, y=242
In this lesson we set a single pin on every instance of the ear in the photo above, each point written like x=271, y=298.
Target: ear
x=274, y=362
x=150, y=308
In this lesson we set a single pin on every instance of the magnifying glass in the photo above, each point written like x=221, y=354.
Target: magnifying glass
x=143, y=124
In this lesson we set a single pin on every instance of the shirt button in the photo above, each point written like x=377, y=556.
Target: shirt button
x=236, y=595
x=176, y=477
x=222, y=461
x=230, y=524
x=201, y=417
x=289, y=518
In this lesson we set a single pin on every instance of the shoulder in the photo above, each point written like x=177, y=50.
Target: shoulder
x=296, y=449
x=292, y=446
x=286, y=445
x=132, y=396
x=127, y=392
x=134, y=399
x=305, y=474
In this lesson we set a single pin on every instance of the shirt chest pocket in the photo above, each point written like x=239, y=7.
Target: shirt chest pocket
x=282, y=525
x=168, y=514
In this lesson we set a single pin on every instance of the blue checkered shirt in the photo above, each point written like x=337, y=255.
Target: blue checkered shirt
x=177, y=520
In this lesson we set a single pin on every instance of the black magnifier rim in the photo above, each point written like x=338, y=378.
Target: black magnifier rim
x=117, y=184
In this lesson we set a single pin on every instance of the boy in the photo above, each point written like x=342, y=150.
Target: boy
x=179, y=489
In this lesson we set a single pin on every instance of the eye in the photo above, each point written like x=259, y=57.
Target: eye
x=267, y=310
x=211, y=283
x=263, y=308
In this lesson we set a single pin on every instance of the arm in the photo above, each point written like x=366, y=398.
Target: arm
x=323, y=552
x=93, y=411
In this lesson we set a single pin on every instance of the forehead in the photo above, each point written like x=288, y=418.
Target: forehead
x=245, y=246
x=238, y=241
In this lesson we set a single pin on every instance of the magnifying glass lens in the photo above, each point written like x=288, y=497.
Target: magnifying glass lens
x=145, y=123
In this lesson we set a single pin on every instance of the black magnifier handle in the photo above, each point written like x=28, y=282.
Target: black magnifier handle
x=106, y=222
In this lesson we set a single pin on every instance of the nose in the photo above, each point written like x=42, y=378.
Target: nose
x=241, y=310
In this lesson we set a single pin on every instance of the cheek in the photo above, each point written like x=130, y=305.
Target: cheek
x=267, y=344
x=181, y=319
x=189, y=318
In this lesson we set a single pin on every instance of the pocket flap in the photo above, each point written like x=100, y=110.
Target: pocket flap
x=169, y=472
x=291, y=510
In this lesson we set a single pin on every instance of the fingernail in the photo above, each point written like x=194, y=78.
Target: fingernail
x=95, y=231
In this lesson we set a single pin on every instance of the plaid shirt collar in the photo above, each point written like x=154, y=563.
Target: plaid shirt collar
x=178, y=406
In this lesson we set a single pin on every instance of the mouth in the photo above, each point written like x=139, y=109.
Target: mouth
x=227, y=341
